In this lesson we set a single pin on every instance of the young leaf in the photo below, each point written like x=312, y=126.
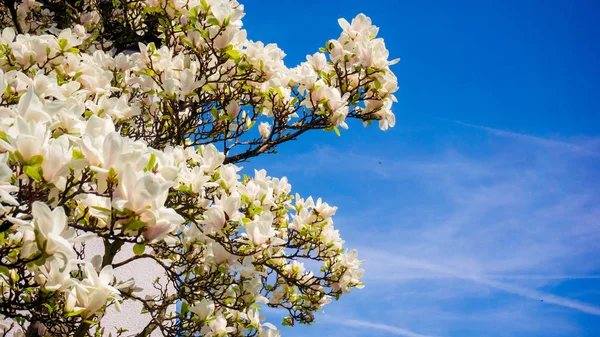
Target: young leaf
x=32, y=173
x=139, y=248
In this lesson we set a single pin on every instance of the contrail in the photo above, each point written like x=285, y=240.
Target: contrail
x=538, y=140
x=378, y=326
x=506, y=287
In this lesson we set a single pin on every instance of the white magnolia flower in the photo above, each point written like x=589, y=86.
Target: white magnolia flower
x=203, y=309
x=51, y=230
x=219, y=326
x=233, y=109
x=98, y=287
x=264, y=129
x=57, y=274
x=160, y=222
x=139, y=191
x=261, y=231
x=28, y=138
x=318, y=61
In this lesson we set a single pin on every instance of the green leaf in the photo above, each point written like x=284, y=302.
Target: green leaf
x=243, y=67
x=213, y=22
x=151, y=163
x=73, y=50
x=102, y=209
x=77, y=154
x=36, y=161
x=234, y=54
x=19, y=157
x=185, y=307
x=32, y=173
x=62, y=43
x=204, y=4
x=75, y=313
x=279, y=93
x=139, y=248
x=337, y=131
x=204, y=33
x=257, y=210
x=4, y=270
x=76, y=76
x=112, y=173
x=135, y=224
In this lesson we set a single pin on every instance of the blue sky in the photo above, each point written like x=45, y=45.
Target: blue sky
x=482, y=218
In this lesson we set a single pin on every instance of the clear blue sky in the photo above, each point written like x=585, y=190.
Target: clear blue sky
x=483, y=217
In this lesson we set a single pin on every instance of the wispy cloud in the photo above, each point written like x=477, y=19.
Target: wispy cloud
x=538, y=295
x=557, y=144
x=398, y=261
x=377, y=326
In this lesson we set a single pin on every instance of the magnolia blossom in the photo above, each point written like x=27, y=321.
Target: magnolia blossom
x=98, y=289
x=203, y=309
x=51, y=229
x=264, y=129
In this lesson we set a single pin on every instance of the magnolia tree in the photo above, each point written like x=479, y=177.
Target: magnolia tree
x=138, y=149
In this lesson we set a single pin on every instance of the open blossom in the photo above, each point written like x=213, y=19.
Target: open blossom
x=204, y=309
x=233, y=109
x=214, y=217
x=264, y=129
x=360, y=28
x=57, y=274
x=219, y=327
x=26, y=138
x=139, y=191
x=52, y=232
x=319, y=62
x=160, y=222
x=67, y=40
x=57, y=156
x=98, y=289
x=261, y=231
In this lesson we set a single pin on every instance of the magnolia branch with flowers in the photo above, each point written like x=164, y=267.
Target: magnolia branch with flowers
x=139, y=149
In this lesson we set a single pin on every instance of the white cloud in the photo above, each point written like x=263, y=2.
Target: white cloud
x=376, y=326
x=557, y=144
x=398, y=262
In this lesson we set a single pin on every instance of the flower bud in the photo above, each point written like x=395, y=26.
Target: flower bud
x=79, y=30
x=265, y=130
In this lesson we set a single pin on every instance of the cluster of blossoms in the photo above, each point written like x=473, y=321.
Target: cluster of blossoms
x=138, y=149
